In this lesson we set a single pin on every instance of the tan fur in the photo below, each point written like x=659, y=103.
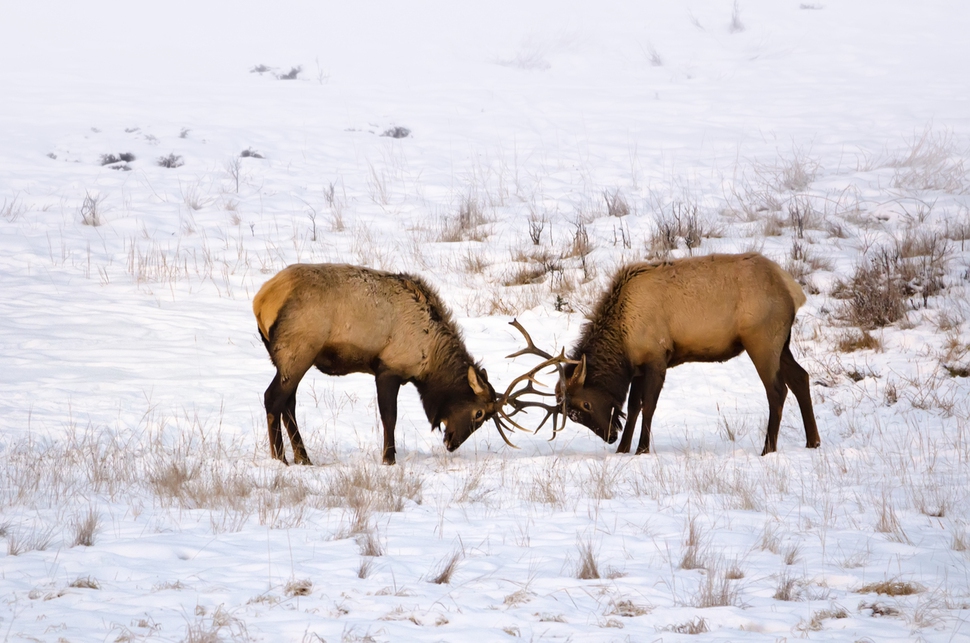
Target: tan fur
x=702, y=309
x=698, y=309
x=349, y=319
x=271, y=297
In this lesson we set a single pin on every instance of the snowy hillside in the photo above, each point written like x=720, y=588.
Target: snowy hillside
x=159, y=163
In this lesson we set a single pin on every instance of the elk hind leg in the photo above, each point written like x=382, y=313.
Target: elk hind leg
x=296, y=440
x=768, y=364
x=797, y=380
x=274, y=399
x=387, y=389
x=280, y=402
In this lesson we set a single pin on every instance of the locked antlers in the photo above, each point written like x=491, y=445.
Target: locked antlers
x=513, y=397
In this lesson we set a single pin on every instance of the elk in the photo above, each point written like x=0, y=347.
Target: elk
x=349, y=319
x=655, y=316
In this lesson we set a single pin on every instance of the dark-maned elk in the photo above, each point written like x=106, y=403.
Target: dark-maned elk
x=347, y=319
x=657, y=315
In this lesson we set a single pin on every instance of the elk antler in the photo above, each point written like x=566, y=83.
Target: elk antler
x=512, y=397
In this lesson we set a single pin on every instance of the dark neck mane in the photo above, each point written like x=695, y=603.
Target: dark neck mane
x=447, y=379
x=608, y=367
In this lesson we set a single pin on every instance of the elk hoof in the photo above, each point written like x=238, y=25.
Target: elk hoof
x=643, y=450
x=304, y=459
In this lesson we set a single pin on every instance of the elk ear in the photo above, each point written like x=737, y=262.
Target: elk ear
x=579, y=375
x=478, y=387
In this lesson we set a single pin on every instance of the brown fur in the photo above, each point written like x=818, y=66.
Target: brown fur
x=704, y=309
x=348, y=319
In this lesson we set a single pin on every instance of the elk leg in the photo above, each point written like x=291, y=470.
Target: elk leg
x=777, y=392
x=275, y=400
x=296, y=440
x=767, y=361
x=797, y=380
x=653, y=382
x=388, y=386
x=633, y=412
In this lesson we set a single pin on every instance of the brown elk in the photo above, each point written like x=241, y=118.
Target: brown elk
x=655, y=316
x=348, y=319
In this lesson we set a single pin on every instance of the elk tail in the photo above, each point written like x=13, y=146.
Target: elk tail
x=271, y=298
x=794, y=288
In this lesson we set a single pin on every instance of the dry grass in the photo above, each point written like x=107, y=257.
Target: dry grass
x=467, y=224
x=931, y=162
x=695, y=626
x=36, y=540
x=84, y=528
x=693, y=557
x=301, y=587
x=547, y=487
x=85, y=582
x=889, y=524
x=381, y=489
x=626, y=608
x=851, y=340
x=616, y=205
x=770, y=540
x=961, y=540
x=678, y=223
x=789, y=588
x=446, y=568
x=817, y=622
x=716, y=589
x=91, y=209
x=588, y=568
x=12, y=210
x=875, y=295
x=891, y=588
x=215, y=628
x=365, y=567
x=603, y=479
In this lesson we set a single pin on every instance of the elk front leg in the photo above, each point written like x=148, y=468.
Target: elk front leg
x=388, y=386
x=653, y=381
x=633, y=412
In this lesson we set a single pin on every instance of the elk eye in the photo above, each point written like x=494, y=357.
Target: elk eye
x=478, y=414
x=586, y=406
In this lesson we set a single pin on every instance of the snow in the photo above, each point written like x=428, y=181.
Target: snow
x=132, y=373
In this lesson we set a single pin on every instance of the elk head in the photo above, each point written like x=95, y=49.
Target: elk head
x=465, y=416
x=587, y=405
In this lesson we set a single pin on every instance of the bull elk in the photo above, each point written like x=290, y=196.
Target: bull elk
x=348, y=319
x=655, y=316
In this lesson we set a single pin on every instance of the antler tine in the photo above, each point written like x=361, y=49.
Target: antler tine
x=512, y=396
x=531, y=349
x=501, y=431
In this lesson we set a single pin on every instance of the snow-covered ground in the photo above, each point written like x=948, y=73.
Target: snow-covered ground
x=137, y=497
